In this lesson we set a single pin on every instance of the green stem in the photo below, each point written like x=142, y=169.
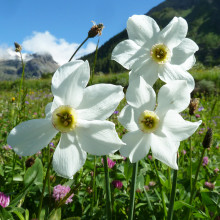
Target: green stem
x=132, y=192
x=44, y=186
x=169, y=179
x=78, y=49
x=172, y=197
x=93, y=184
x=162, y=193
x=108, y=191
x=48, y=177
x=149, y=204
x=190, y=162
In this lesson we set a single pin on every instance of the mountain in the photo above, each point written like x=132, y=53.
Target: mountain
x=37, y=65
x=203, y=21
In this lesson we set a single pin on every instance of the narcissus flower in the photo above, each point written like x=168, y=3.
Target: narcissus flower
x=160, y=129
x=77, y=112
x=152, y=53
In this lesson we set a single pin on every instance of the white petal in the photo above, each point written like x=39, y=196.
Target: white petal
x=48, y=111
x=29, y=137
x=69, y=81
x=126, y=53
x=174, y=32
x=127, y=118
x=169, y=72
x=68, y=157
x=141, y=95
x=99, y=101
x=146, y=68
x=183, y=54
x=142, y=29
x=165, y=150
x=137, y=145
x=98, y=137
x=174, y=95
x=176, y=128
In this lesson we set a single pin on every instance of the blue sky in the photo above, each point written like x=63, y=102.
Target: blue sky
x=58, y=27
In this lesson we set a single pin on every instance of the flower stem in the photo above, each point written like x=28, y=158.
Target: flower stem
x=108, y=191
x=161, y=191
x=132, y=192
x=44, y=186
x=78, y=49
x=93, y=184
x=172, y=197
x=149, y=204
x=190, y=162
x=194, y=183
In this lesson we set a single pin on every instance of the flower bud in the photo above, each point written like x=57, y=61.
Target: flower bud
x=96, y=29
x=193, y=106
x=207, y=141
x=18, y=47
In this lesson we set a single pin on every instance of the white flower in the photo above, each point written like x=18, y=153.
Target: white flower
x=79, y=113
x=152, y=53
x=160, y=129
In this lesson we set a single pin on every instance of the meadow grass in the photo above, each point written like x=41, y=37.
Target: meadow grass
x=88, y=201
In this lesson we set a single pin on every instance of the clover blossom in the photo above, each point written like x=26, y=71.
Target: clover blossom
x=205, y=161
x=152, y=53
x=110, y=162
x=59, y=192
x=79, y=113
x=117, y=184
x=4, y=200
x=160, y=129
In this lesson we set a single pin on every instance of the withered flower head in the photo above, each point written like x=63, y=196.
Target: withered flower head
x=207, y=141
x=29, y=162
x=96, y=29
x=193, y=106
x=18, y=47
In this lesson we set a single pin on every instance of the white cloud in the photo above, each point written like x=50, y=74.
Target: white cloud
x=44, y=42
x=60, y=49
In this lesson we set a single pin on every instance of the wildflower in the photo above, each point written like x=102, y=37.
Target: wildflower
x=152, y=53
x=216, y=170
x=7, y=147
x=12, y=99
x=209, y=185
x=116, y=112
x=197, y=116
x=4, y=200
x=117, y=184
x=26, y=102
x=59, y=192
x=149, y=157
x=96, y=29
x=183, y=152
x=77, y=112
x=111, y=163
x=200, y=109
x=146, y=188
x=205, y=161
x=152, y=183
x=161, y=129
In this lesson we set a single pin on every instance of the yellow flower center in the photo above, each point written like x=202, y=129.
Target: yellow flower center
x=148, y=121
x=160, y=53
x=64, y=118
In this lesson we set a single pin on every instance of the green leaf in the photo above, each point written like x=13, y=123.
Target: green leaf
x=140, y=182
x=1, y=171
x=55, y=214
x=20, y=216
x=34, y=174
x=26, y=214
x=179, y=204
x=4, y=214
x=211, y=200
x=128, y=170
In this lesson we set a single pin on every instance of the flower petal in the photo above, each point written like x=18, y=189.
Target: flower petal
x=69, y=81
x=174, y=32
x=141, y=95
x=176, y=128
x=137, y=145
x=142, y=29
x=31, y=136
x=126, y=53
x=98, y=137
x=169, y=72
x=165, y=150
x=126, y=118
x=174, y=95
x=146, y=68
x=99, y=101
x=68, y=157
x=48, y=111
x=183, y=54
